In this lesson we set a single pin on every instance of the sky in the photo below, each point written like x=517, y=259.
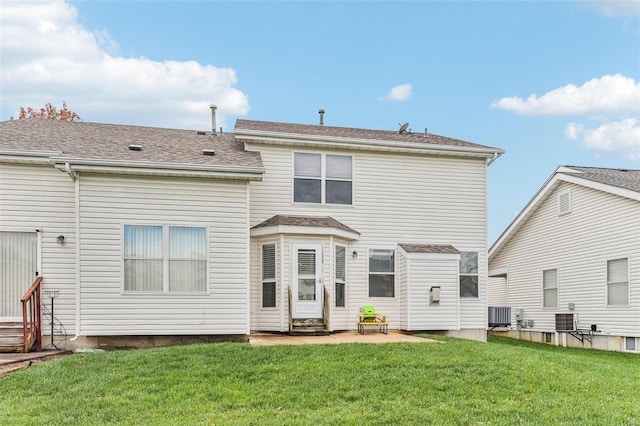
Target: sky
x=550, y=82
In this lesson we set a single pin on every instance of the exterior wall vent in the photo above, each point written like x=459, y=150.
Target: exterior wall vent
x=135, y=147
x=564, y=203
x=499, y=316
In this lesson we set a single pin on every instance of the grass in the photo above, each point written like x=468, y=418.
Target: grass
x=503, y=382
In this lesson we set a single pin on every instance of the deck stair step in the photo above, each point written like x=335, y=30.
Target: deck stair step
x=11, y=337
x=309, y=327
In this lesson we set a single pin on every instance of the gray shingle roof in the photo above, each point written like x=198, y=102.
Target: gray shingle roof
x=110, y=142
x=429, y=248
x=621, y=178
x=353, y=133
x=315, y=221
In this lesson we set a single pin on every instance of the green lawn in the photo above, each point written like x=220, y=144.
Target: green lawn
x=454, y=382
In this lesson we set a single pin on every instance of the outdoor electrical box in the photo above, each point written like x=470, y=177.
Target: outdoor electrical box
x=519, y=314
x=434, y=295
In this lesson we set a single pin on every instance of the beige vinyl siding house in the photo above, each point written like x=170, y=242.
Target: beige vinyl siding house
x=177, y=235
x=575, y=249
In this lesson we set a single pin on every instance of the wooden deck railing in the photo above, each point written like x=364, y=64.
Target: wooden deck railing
x=31, y=316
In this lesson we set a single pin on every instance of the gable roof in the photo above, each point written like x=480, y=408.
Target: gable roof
x=621, y=182
x=347, y=137
x=97, y=144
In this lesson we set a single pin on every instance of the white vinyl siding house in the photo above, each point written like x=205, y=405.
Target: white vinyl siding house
x=181, y=233
x=593, y=247
x=411, y=197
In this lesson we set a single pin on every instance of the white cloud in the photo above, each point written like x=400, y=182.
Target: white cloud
x=399, y=93
x=615, y=7
x=617, y=137
x=609, y=94
x=47, y=56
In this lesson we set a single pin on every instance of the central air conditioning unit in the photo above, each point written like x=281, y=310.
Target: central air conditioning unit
x=499, y=316
x=565, y=322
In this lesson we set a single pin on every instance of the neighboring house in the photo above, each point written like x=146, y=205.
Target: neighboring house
x=185, y=233
x=569, y=264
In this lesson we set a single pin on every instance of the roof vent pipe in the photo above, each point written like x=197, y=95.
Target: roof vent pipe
x=213, y=118
x=321, y=112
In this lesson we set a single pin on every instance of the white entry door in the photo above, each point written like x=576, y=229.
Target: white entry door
x=306, y=265
x=18, y=263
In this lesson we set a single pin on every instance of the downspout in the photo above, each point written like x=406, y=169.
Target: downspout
x=248, y=255
x=494, y=158
x=77, y=214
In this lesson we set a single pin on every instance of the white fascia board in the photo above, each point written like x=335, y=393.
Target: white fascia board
x=161, y=169
x=364, y=144
x=304, y=230
x=523, y=216
x=24, y=156
x=627, y=193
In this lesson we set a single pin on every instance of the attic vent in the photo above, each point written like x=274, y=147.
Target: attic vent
x=208, y=152
x=564, y=203
x=135, y=147
x=200, y=132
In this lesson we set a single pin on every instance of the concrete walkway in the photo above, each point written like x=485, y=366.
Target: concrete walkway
x=336, y=338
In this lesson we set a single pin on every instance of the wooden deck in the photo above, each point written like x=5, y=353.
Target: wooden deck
x=14, y=361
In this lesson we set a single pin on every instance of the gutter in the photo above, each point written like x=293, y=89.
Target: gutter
x=371, y=144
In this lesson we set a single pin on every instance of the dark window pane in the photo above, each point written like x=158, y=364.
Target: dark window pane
x=338, y=192
x=268, y=295
x=307, y=191
x=340, y=295
x=381, y=285
x=381, y=261
x=468, y=286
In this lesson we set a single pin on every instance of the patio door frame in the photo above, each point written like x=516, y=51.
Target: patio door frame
x=302, y=307
x=35, y=266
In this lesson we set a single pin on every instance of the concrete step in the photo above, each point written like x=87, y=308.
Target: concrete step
x=308, y=327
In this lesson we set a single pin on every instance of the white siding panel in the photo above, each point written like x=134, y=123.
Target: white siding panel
x=41, y=197
x=424, y=274
x=107, y=203
x=600, y=227
x=398, y=198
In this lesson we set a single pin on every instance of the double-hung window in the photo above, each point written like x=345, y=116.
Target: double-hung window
x=550, y=288
x=618, y=282
x=381, y=273
x=163, y=259
x=341, y=276
x=469, y=274
x=322, y=178
x=269, y=276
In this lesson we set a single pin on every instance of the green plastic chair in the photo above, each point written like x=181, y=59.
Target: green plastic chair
x=369, y=310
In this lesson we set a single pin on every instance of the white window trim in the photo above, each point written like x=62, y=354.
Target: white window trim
x=165, y=262
x=557, y=288
x=477, y=274
x=275, y=278
x=395, y=272
x=322, y=178
x=606, y=287
x=335, y=276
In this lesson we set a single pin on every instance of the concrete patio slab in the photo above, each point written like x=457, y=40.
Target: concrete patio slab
x=336, y=338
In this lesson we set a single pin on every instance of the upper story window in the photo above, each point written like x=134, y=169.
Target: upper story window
x=618, y=282
x=469, y=274
x=322, y=178
x=160, y=258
